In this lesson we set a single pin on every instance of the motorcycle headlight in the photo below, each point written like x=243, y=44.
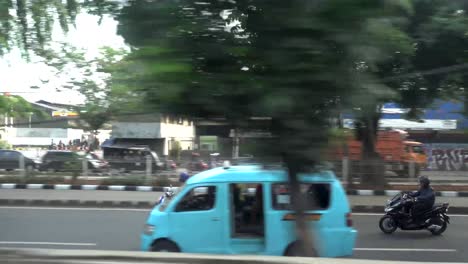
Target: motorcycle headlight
x=388, y=209
x=148, y=229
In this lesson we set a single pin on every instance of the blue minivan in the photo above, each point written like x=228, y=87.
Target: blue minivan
x=247, y=210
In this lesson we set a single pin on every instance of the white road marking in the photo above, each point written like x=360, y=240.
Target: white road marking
x=47, y=243
x=408, y=249
x=382, y=214
x=77, y=208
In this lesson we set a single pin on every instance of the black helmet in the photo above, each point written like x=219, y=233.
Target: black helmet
x=424, y=181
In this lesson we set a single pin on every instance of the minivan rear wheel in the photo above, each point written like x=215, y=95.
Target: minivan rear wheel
x=295, y=250
x=164, y=246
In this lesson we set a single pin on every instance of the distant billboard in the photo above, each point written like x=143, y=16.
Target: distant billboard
x=435, y=124
x=64, y=113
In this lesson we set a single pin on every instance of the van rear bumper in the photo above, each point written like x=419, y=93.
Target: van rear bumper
x=349, y=242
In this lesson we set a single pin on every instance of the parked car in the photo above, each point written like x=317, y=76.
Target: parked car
x=10, y=160
x=57, y=160
x=133, y=158
x=103, y=164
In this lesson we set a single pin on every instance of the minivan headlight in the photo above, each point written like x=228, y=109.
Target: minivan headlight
x=148, y=229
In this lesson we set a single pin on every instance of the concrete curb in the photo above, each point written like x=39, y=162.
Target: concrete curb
x=86, y=187
x=149, y=205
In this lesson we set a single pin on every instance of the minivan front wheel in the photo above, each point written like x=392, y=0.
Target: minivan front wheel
x=164, y=246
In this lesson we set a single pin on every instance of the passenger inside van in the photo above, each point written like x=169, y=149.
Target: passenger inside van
x=247, y=213
x=257, y=210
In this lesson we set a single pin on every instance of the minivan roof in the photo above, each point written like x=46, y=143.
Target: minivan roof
x=253, y=173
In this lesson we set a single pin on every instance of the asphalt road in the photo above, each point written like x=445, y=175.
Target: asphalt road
x=118, y=229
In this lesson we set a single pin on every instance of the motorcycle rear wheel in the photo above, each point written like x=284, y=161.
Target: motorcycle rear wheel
x=387, y=224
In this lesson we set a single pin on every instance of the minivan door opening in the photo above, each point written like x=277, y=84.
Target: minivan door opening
x=247, y=218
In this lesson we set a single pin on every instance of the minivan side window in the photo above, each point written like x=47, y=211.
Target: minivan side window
x=200, y=198
x=317, y=196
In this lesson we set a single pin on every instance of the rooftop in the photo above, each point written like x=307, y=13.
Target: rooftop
x=255, y=173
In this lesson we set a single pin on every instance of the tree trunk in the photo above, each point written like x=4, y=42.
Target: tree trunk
x=298, y=203
x=372, y=166
x=235, y=143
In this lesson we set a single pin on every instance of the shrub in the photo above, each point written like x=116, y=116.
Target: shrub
x=132, y=181
x=32, y=180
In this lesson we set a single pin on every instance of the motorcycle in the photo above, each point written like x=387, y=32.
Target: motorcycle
x=167, y=194
x=435, y=220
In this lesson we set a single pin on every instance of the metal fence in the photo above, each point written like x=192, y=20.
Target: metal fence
x=83, y=169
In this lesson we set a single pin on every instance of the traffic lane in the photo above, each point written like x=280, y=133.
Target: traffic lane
x=382, y=200
x=411, y=245
x=81, y=195
x=73, y=228
x=119, y=229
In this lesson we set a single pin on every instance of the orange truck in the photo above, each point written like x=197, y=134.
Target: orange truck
x=393, y=147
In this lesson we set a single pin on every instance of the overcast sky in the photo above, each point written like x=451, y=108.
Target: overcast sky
x=17, y=75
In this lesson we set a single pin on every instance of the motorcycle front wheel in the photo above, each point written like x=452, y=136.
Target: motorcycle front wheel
x=387, y=224
x=439, y=231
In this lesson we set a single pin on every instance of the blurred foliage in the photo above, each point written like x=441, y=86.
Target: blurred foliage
x=32, y=179
x=29, y=24
x=100, y=102
x=4, y=145
x=175, y=150
x=231, y=59
x=17, y=106
x=129, y=181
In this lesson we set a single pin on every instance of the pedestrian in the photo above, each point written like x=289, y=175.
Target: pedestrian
x=51, y=146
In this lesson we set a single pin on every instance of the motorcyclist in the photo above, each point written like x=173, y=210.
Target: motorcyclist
x=423, y=200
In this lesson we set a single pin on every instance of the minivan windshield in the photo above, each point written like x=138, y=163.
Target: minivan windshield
x=167, y=200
